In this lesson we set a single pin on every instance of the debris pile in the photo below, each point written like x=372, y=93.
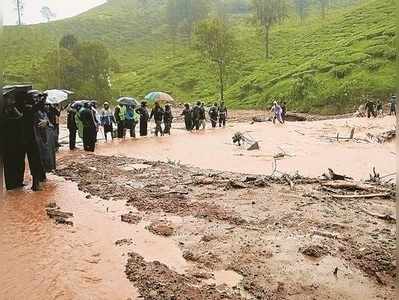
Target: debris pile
x=60, y=217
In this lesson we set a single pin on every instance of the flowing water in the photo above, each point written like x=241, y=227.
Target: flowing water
x=41, y=260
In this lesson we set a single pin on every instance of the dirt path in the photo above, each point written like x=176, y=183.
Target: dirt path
x=244, y=236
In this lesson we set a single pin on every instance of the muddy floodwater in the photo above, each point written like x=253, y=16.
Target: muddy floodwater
x=308, y=146
x=246, y=237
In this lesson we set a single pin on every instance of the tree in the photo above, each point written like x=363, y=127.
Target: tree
x=19, y=6
x=47, y=13
x=69, y=41
x=172, y=20
x=216, y=42
x=324, y=4
x=267, y=14
x=96, y=66
x=301, y=7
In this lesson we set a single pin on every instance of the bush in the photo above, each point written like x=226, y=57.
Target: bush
x=373, y=65
x=342, y=71
x=344, y=59
x=380, y=51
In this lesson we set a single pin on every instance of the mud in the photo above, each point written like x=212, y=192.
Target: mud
x=288, y=238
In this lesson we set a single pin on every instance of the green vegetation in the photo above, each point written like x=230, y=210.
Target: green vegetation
x=323, y=65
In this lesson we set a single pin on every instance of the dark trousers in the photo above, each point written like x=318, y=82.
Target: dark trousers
x=158, y=128
x=89, y=139
x=222, y=121
x=131, y=125
x=197, y=124
x=168, y=126
x=14, y=168
x=143, y=127
x=392, y=111
x=188, y=123
x=120, y=129
x=56, y=135
x=72, y=139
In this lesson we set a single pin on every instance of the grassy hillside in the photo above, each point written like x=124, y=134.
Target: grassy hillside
x=323, y=66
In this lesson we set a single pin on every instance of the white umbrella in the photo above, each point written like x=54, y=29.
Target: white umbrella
x=57, y=96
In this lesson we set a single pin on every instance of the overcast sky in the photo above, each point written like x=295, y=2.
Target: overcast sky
x=62, y=9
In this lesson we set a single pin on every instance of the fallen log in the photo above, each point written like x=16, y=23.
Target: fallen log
x=386, y=217
x=334, y=176
x=53, y=213
x=345, y=185
x=360, y=196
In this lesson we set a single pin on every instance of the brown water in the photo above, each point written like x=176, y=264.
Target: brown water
x=308, y=151
x=41, y=260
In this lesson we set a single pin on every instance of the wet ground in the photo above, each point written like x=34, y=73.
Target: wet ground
x=205, y=234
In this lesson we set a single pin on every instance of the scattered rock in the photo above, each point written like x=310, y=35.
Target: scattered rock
x=315, y=251
x=124, y=242
x=131, y=218
x=188, y=255
x=163, y=228
x=207, y=238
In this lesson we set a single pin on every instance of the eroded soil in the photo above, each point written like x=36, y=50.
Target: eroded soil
x=248, y=236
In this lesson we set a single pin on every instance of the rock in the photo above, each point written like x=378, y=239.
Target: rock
x=59, y=220
x=315, y=251
x=161, y=228
x=188, y=255
x=208, y=238
x=124, y=242
x=130, y=218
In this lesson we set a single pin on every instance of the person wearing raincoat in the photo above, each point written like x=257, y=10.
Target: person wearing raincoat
x=167, y=119
x=72, y=127
x=187, y=113
x=131, y=120
x=213, y=115
x=78, y=120
x=107, y=120
x=158, y=114
x=120, y=117
x=144, y=117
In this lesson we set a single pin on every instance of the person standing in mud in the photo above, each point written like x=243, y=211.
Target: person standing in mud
x=370, y=109
x=392, y=105
x=158, y=114
x=54, y=117
x=196, y=115
x=107, y=121
x=72, y=127
x=119, y=114
x=277, y=113
x=144, y=116
x=89, y=127
x=213, y=115
x=222, y=115
x=187, y=113
x=202, y=116
x=44, y=134
x=14, y=153
x=167, y=119
x=130, y=123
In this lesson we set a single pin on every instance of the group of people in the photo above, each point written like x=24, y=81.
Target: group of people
x=30, y=130
x=195, y=117
x=377, y=109
x=84, y=120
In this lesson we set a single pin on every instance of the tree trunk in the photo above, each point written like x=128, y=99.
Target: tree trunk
x=267, y=28
x=221, y=81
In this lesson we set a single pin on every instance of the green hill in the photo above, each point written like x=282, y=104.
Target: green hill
x=320, y=65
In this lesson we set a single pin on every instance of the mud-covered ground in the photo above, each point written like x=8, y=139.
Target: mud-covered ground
x=248, y=236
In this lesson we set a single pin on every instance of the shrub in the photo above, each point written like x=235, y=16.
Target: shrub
x=342, y=71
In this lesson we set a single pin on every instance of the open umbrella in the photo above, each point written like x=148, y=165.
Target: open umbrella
x=128, y=101
x=159, y=96
x=57, y=96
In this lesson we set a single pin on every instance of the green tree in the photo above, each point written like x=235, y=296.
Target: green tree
x=96, y=67
x=68, y=41
x=324, y=4
x=267, y=14
x=301, y=7
x=60, y=69
x=216, y=43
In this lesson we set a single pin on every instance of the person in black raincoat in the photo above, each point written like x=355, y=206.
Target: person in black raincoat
x=31, y=142
x=158, y=114
x=168, y=119
x=13, y=152
x=89, y=127
x=187, y=113
x=213, y=115
x=144, y=117
x=222, y=115
x=72, y=127
x=45, y=136
x=54, y=116
x=197, y=115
